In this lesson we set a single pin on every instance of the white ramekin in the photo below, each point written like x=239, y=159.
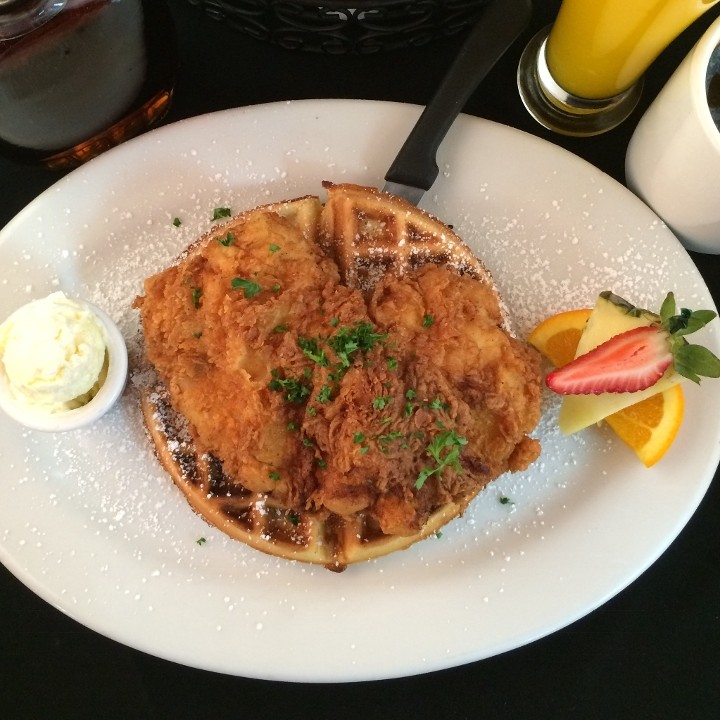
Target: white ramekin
x=106, y=397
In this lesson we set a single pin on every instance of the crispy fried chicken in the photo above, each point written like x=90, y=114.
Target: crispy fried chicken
x=331, y=401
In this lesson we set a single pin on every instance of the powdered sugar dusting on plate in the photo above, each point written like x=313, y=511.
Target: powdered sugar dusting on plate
x=91, y=522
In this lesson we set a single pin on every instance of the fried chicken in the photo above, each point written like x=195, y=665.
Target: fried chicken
x=329, y=400
x=448, y=379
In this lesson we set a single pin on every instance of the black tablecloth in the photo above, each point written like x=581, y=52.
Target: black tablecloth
x=653, y=651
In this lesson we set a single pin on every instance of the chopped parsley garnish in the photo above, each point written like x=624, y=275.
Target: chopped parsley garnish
x=335, y=321
x=505, y=500
x=274, y=475
x=293, y=517
x=177, y=222
x=321, y=463
x=295, y=390
x=201, y=541
x=409, y=405
x=196, y=294
x=389, y=437
x=249, y=287
x=276, y=287
x=312, y=351
x=280, y=329
x=449, y=440
x=391, y=363
x=274, y=248
x=346, y=343
x=228, y=240
x=438, y=404
x=358, y=437
x=350, y=340
x=198, y=334
x=428, y=320
x=292, y=426
x=221, y=212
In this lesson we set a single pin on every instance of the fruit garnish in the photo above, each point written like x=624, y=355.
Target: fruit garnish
x=648, y=427
x=557, y=336
x=631, y=361
x=636, y=359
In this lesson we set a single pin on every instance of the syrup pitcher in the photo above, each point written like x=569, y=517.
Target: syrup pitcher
x=80, y=76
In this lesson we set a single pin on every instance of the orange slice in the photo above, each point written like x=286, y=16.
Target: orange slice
x=557, y=337
x=649, y=427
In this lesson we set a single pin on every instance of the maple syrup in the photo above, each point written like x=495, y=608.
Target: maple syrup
x=89, y=75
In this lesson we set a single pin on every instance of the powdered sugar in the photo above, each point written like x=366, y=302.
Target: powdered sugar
x=93, y=524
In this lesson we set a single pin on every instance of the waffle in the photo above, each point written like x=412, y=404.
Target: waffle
x=368, y=234
x=371, y=233
x=252, y=518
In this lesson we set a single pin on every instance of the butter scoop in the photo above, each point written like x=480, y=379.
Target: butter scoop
x=53, y=351
x=63, y=363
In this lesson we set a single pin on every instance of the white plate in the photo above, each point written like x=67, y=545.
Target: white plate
x=92, y=524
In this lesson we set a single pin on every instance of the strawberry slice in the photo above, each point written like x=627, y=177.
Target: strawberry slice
x=629, y=362
x=637, y=359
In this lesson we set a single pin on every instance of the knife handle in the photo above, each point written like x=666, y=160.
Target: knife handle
x=499, y=26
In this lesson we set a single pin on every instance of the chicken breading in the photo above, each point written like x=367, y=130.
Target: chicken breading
x=330, y=401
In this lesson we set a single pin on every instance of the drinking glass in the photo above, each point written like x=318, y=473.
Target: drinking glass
x=80, y=76
x=583, y=74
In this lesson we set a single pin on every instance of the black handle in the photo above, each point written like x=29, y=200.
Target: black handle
x=496, y=30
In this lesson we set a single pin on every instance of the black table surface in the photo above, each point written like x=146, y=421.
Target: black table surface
x=653, y=651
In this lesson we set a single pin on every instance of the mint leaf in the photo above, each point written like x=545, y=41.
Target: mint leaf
x=704, y=315
x=690, y=361
x=686, y=322
x=686, y=372
x=667, y=309
x=693, y=360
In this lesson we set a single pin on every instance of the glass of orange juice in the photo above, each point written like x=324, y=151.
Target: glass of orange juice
x=583, y=74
